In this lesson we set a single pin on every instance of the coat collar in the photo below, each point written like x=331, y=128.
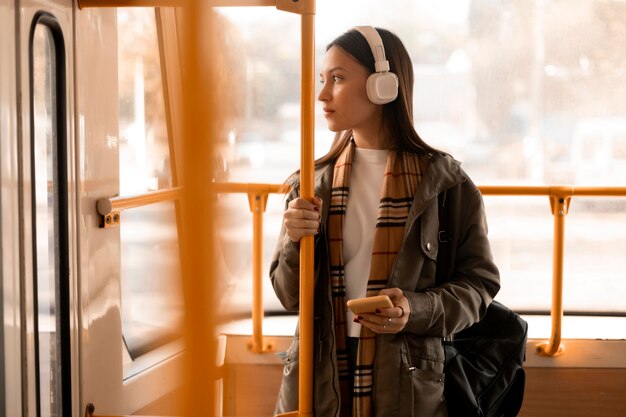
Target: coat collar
x=444, y=172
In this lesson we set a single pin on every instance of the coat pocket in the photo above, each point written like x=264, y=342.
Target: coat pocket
x=288, y=395
x=425, y=381
x=427, y=393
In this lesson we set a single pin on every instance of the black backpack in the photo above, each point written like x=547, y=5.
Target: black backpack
x=484, y=374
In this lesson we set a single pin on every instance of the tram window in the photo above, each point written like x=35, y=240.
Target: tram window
x=50, y=222
x=151, y=300
x=144, y=147
x=235, y=254
x=150, y=266
x=497, y=87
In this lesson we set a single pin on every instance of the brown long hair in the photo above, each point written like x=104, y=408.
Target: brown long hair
x=397, y=119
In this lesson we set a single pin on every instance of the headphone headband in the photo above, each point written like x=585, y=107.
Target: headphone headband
x=381, y=86
x=375, y=42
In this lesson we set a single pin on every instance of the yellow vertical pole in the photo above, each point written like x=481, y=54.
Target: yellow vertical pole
x=257, y=261
x=307, y=192
x=197, y=206
x=559, y=202
x=258, y=202
x=306, y=8
x=557, y=276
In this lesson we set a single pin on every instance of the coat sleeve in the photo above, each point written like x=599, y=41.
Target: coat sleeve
x=285, y=267
x=475, y=280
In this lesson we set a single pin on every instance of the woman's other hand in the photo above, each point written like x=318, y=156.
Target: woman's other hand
x=302, y=218
x=388, y=320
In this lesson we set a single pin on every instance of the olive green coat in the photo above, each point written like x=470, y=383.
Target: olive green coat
x=408, y=369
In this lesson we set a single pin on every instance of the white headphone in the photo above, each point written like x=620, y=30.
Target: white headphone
x=381, y=86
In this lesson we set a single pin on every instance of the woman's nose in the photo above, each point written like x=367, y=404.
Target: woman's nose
x=323, y=94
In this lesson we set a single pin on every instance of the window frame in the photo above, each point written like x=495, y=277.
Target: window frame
x=62, y=280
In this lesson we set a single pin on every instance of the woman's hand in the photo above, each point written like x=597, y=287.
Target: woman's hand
x=302, y=218
x=388, y=320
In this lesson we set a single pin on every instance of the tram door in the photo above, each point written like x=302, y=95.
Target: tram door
x=130, y=352
x=46, y=270
x=10, y=402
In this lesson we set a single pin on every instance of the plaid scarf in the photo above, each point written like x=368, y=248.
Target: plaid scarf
x=402, y=174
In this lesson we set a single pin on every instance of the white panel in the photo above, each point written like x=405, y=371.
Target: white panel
x=102, y=352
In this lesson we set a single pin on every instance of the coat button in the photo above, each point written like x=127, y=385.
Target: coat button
x=428, y=246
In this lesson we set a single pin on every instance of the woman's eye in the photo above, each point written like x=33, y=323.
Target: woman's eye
x=334, y=78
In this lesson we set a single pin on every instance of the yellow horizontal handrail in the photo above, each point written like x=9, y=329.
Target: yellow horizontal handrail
x=83, y=4
x=285, y=5
x=108, y=205
x=237, y=187
x=600, y=191
x=90, y=409
x=519, y=190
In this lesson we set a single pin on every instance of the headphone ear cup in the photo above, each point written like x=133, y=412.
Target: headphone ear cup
x=382, y=87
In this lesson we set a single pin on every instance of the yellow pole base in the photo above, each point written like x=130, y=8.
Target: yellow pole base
x=266, y=347
x=544, y=349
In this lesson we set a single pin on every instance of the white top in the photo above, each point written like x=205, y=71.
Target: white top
x=366, y=180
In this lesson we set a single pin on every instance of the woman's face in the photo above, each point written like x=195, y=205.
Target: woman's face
x=343, y=94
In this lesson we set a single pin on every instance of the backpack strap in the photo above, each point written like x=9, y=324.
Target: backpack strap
x=445, y=237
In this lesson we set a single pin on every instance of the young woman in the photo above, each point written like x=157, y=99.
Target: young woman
x=376, y=226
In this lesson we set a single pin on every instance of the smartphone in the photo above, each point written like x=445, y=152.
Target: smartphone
x=369, y=304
